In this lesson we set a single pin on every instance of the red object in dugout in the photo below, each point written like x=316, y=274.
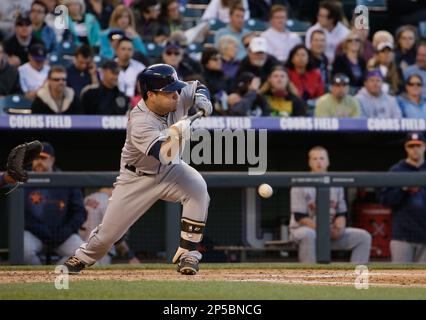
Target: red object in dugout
x=377, y=220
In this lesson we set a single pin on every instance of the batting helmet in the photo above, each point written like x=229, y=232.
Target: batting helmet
x=160, y=77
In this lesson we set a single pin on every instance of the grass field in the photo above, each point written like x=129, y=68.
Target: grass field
x=219, y=281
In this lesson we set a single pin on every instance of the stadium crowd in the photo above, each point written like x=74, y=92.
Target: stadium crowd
x=245, y=51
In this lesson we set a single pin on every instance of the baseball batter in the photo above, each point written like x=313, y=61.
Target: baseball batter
x=151, y=169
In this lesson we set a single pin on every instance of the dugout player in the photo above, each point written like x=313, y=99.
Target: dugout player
x=151, y=169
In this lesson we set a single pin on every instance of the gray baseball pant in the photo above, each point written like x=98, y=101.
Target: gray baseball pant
x=133, y=195
x=407, y=252
x=354, y=239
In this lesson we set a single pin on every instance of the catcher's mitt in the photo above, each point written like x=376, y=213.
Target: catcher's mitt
x=21, y=156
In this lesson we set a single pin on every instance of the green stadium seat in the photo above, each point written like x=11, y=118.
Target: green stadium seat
x=65, y=61
x=216, y=24
x=256, y=25
x=195, y=48
x=373, y=5
x=15, y=104
x=298, y=25
x=154, y=50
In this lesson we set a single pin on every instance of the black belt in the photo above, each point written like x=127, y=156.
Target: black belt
x=133, y=169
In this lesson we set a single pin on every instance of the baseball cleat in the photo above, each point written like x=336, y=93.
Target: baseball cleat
x=74, y=265
x=188, y=265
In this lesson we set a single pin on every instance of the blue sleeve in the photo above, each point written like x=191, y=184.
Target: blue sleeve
x=201, y=88
x=76, y=217
x=392, y=196
x=155, y=150
x=38, y=228
x=139, y=45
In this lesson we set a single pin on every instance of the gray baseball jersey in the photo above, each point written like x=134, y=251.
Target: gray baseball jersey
x=135, y=192
x=303, y=201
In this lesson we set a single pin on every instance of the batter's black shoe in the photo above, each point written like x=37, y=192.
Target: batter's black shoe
x=188, y=265
x=74, y=265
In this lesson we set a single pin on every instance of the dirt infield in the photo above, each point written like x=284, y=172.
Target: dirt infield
x=382, y=278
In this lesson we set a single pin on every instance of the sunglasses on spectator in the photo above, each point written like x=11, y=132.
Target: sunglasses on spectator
x=215, y=58
x=417, y=145
x=58, y=79
x=170, y=52
x=412, y=84
x=354, y=40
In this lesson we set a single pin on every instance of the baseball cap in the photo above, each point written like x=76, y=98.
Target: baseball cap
x=37, y=52
x=340, y=78
x=47, y=150
x=111, y=65
x=115, y=34
x=373, y=73
x=172, y=45
x=415, y=138
x=258, y=44
x=22, y=20
x=383, y=45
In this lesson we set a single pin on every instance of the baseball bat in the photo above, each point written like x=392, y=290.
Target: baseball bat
x=194, y=117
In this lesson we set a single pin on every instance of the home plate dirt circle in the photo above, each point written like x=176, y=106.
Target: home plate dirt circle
x=330, y=277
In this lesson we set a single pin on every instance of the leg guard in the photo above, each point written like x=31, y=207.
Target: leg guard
x=191, y=234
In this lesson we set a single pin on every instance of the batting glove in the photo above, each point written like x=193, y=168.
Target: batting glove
x=203, y=103
x=184, y=128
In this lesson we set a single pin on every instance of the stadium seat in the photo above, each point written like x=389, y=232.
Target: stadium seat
x=373, y=5
x=216, y=24
x=15, y=104
x=67, y=48
x=194, y=48
x=422, y=29
x=256, y=25
x=65, y=61
x=154, y=50
x=298, y=26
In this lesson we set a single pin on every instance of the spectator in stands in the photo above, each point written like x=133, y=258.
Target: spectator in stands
x=420, y=66
x=367, y=49
x=382, y=36
x=234, y=28
x=122, y=23
x=95, y=205
x=105, y=97
x=351, y=62
x=83, y=71
x=102, y=10
x=245, y=100
x=213, y=74
x=303, y=218
x=338, y=103
x=9, y=10
x=384, y=61
x=373, y=101
x=411, y=102
x=41, y=31
x=170, y=17
x=180, y=38
x=329, y=20
x=55, y=97
x=281, y=95
x=17, y=46
x=62, y=34
x=130, y=68
x=280, y=40
x=148, y=26
x=53, y=216
x=258, y=61
x=33, y=74
x=9, y=77
x=220, y=10
x=84, y=26
x=173, y=55
x=408, y=242
x=248, y=37
x=406, y=45
x=317, y=55
x=307, y=79
x=228, y=48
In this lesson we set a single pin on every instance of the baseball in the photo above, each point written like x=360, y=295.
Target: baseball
x=265, y=190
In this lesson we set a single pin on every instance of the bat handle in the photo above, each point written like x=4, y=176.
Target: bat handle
x=194, y=117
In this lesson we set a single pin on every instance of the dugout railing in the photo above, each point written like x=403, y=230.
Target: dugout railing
x=322, y=183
